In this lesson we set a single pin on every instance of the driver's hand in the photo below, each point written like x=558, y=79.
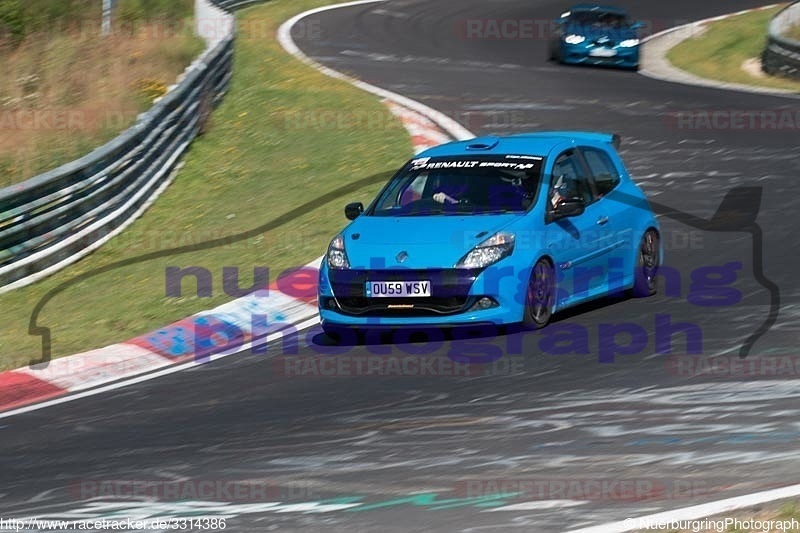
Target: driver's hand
x=441, y=198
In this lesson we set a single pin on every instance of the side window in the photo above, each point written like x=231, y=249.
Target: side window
x=603, y=170
x=568, y=180
x=413, y=191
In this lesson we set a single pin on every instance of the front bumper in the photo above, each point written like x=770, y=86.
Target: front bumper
x=581, y=55
x=454, y=301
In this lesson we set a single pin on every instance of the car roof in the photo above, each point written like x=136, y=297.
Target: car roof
x=539, y=143
x=598, y=7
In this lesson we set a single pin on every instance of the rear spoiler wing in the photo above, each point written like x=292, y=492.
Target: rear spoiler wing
x=613, y=139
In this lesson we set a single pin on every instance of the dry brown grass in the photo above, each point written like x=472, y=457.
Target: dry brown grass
x=61, y=95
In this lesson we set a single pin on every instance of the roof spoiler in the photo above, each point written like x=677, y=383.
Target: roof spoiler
x=611, y=138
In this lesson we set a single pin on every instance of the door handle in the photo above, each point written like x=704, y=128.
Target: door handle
x=602, y=221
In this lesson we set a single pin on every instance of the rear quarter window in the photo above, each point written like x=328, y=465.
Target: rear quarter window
x=606, y=176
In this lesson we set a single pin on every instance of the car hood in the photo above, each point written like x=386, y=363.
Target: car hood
x=427, y=242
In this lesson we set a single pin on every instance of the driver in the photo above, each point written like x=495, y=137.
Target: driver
x=560, y=192
x=450, y=191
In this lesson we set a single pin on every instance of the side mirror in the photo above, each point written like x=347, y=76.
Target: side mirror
x=572, y=207
x=637, y=25
x=354, y=210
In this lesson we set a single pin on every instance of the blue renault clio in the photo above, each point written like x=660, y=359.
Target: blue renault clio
x=494, y=230
x=596, y=35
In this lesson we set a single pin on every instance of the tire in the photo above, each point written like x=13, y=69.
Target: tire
x=648, y=259
x=554, y=54
x=540, y=296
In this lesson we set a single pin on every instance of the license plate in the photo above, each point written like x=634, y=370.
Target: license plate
x=602, y=52
x=398, y=289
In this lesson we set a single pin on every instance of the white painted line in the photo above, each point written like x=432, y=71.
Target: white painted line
x=453, y=128
x=147, y=377
x=537, y=505
x=696, y=512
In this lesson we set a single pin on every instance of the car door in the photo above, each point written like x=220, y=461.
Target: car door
x=581, y=262
x=614, y=231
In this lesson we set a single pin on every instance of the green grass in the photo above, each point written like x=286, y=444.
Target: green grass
x=272, y=146
x=719, y=52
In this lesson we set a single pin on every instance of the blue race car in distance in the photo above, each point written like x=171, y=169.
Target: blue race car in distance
x=596, y=35
x=494, y=230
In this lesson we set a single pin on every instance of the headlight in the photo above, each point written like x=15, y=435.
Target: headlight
x=337, y=256
x=574, y=39
x=629, y=43
x=489, y=252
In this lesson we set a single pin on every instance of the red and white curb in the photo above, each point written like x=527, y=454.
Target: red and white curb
x=290, y=303
x=424, y=132
x=228, y=329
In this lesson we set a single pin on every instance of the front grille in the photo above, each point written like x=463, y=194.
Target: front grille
x=405, y=306
x=449, y=292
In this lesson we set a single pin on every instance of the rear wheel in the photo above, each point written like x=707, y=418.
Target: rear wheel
x=540, y=296
x=648, y=259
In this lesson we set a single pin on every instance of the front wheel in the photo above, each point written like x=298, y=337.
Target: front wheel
x=540, y=297
x=554, y=52
x=648, y=259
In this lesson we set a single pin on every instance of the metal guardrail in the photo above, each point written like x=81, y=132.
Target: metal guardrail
x=781, y=56
x=57, y=217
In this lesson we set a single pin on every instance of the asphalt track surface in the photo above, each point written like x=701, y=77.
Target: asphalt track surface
x=546, y=419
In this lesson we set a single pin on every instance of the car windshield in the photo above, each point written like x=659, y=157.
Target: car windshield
x=598, y=19
x=462, y=185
